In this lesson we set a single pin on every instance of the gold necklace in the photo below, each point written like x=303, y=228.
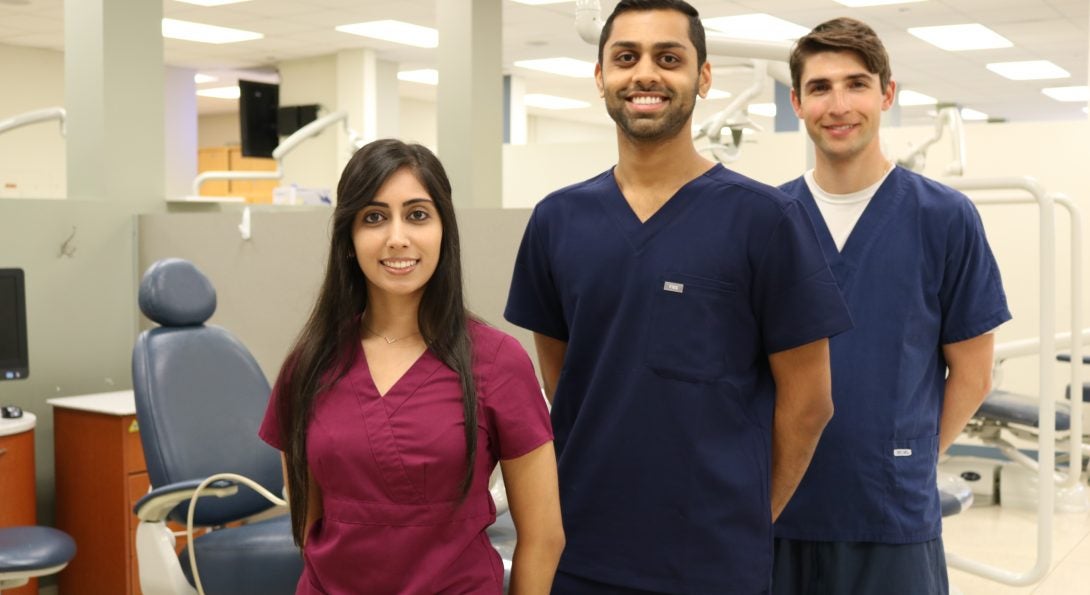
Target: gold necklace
x=388, y=340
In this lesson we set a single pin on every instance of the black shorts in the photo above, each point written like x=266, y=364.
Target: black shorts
x=848, y=568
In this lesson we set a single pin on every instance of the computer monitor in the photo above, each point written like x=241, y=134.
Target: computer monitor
x=257, y=116
x=14, y=359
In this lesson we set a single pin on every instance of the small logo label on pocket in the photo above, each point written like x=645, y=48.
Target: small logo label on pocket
x=674, y=287
x=902, y=452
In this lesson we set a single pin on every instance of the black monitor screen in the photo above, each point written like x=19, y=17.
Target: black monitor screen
x=257, y=114
x=13, y=348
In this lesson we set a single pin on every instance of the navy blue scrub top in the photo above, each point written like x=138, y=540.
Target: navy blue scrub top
x=917, y=273
x=663, y=409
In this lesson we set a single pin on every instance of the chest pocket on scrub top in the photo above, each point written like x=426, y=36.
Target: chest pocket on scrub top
x=689, y=331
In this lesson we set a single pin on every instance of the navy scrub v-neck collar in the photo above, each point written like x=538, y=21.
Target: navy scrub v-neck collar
x=639, y=233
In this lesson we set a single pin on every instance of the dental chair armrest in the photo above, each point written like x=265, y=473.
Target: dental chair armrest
x=157, y=504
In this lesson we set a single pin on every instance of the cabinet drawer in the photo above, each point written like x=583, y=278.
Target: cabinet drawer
x=17, y=493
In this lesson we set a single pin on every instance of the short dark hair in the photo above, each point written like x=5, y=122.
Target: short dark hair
x=841, y=35
x=696, y=28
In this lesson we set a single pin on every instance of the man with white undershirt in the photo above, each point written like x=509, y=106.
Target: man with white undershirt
x=913, y=263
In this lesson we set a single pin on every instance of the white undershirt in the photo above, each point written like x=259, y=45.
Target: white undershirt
x=842, y=211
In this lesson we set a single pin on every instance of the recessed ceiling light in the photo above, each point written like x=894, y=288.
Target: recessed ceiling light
x=562, y=66
x=200, y=79
x=717, y=94
x=1028, y=70
x=425, y=76
x=862, y=3
x=1077, y=93
x=212, y=2
x=394, y=31
x=971, y=115
x=767, y=110
x=756, y=26
x=220, y=92
x=201, y=33
x=908, y=98
x=957, y=38
x=552, y=102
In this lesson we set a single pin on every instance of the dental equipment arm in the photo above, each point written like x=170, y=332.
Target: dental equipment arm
x=313, y=129
x=42, y=115
x=949, y=116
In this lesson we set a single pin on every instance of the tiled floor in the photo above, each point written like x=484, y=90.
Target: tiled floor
x=1007, y=538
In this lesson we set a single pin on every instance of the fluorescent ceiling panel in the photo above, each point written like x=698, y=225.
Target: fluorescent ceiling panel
x=200, y=79
x=971, y=115
x=201, y=33
x=756, y=26
x=767, y=110
x=220, y=92
x=1078, y=93
x=958, y=38
x=395, y=32
x=1028, y=70
x=212, y=2
x=552, y=102
x=908, y=98
x=425, y=76
x=864, y=3
x=562, y=66
x=717, y=94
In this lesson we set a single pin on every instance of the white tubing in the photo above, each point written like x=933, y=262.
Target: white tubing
x=193, y=506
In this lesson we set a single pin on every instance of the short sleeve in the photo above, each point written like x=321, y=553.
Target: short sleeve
x=533, y=301
x=270, y=426
x=972, y=297
x=795, y=296
x=513, y=403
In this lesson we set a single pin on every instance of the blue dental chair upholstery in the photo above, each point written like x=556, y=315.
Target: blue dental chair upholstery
x=29, y=552
x=200, y=397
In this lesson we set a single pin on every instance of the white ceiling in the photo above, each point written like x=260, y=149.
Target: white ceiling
x=1053, y=30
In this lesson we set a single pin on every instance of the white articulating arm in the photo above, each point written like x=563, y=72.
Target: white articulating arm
x=949, y=116
x=42, y=115
x=287, y=146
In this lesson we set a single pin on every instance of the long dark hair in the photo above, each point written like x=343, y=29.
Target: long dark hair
x=318, y=359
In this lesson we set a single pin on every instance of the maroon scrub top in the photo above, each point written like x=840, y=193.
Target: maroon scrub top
x=389, y=468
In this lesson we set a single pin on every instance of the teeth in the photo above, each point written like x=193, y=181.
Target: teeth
x=399, y=264
x=646, y=100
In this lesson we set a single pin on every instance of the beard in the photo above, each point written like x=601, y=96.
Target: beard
x=653, y=127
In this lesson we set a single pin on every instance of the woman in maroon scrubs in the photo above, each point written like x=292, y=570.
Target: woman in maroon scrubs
x=394, y=405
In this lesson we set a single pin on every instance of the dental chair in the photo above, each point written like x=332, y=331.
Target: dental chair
x=200, y=397
x=30, y=552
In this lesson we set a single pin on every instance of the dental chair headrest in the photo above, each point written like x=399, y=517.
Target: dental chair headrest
x=174, y=293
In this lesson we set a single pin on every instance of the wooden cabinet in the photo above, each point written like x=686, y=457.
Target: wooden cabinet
x=100, y=474
x=17, y=494
x=231, y=159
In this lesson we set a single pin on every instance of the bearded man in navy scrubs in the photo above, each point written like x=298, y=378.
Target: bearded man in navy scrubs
x=924, y=291
x=681, y=314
